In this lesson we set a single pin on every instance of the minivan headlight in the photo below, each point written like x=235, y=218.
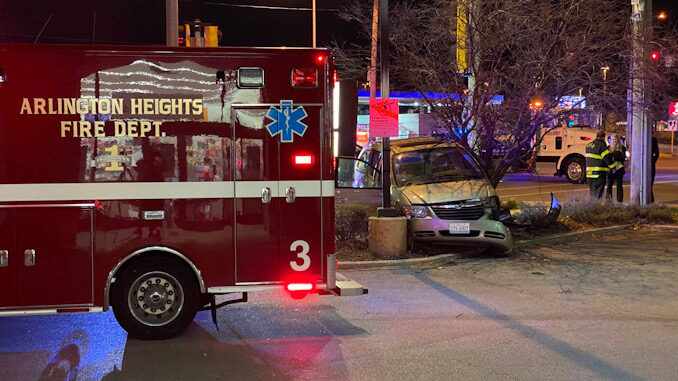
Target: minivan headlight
x=415, y=211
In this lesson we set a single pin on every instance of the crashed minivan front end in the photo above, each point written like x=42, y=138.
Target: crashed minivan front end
x=446, y=198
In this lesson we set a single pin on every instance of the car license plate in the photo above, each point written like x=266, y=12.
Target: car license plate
x=460, y=228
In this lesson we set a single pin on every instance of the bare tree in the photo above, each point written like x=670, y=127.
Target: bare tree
x=521, y=50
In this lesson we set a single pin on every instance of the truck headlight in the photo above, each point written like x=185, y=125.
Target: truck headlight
x=415, y=211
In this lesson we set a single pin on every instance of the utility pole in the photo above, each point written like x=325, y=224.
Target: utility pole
x=372, y=72
x=641, y=135
x=172, y=22
x=386, y=209
x=314, y=39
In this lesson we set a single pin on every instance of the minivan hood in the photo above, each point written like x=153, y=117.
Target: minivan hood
x=445, y=192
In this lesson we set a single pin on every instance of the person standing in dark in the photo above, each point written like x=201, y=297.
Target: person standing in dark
x=655, y=157
x=616, y=177
x=598, y=163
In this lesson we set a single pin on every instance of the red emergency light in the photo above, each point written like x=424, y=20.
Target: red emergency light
x=585, y=138
x=299, y=287
x=305, y=78
x=320, y=58
x=303, y=159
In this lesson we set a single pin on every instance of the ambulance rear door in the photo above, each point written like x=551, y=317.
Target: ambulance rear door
x=277, y=193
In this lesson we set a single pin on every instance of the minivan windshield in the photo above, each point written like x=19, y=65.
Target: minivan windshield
x=434, y=165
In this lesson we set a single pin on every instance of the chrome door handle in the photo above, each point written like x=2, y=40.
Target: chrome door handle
x=4, y=258
x=29, y=257
x=290, y=195
x=266, y=195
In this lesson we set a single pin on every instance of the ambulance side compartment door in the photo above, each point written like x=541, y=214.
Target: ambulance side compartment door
x=8, y=259
x=54, y=246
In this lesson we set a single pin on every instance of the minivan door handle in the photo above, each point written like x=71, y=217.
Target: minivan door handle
x=266, y=195
x=290, y=195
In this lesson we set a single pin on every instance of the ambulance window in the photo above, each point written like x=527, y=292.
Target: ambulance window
x=127, y=159
x=559, y=142
x=207, y=158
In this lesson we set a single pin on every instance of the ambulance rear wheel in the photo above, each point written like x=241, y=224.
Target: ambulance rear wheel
x=155, y=298
x=575, y=170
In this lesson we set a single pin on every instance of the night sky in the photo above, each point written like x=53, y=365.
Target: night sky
x=143, y=21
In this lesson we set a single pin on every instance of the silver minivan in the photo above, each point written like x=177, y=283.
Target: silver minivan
x=436, y=185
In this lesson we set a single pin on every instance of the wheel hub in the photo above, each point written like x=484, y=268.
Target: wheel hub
x=574, y=170
x=155, y=298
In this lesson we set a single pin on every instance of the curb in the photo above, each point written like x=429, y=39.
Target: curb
x=663, y=227
x=566, y=236
x=520, y=244
x=391, y=262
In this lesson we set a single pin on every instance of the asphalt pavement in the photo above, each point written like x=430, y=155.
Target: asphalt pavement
x=599, y=308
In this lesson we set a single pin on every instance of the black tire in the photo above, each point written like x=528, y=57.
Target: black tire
x=167, y=304
x=575, y=170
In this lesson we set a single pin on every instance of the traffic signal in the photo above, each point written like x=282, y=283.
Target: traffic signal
x=184, y=35
x=198, y=33
x=212, y=35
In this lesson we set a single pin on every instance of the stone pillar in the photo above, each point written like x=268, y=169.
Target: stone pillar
x=388, y=236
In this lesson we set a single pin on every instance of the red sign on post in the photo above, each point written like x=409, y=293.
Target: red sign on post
x=383, y=118
x=673, y=110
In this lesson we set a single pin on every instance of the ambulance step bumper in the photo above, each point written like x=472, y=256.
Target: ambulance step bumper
x=347, y=287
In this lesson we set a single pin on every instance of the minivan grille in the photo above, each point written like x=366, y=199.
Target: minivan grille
x=463, y=213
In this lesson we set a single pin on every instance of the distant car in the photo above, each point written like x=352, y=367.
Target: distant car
x=436, y=185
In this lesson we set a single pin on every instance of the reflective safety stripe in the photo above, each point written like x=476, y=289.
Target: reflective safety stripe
x=596, y=156
x=612, y=165
x=592, y=176
x=603, y=169
x=161, y=190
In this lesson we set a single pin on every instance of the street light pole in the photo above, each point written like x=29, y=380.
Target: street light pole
x=640, y=131
x=386, y=209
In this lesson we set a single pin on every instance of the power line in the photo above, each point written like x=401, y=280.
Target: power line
x=75, y=39
x=268, y=7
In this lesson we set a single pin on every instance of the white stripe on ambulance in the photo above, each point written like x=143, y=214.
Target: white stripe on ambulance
x=157, y=190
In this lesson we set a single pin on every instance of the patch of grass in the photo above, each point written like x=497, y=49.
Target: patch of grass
x=597, y=213
x=350, y=221
x=510, y=204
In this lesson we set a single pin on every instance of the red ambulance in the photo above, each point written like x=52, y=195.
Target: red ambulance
x=150, y=179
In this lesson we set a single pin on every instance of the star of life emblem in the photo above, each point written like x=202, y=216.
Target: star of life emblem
x=286, y=121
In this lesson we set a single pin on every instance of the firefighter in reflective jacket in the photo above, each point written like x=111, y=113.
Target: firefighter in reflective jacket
x=598, y=163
